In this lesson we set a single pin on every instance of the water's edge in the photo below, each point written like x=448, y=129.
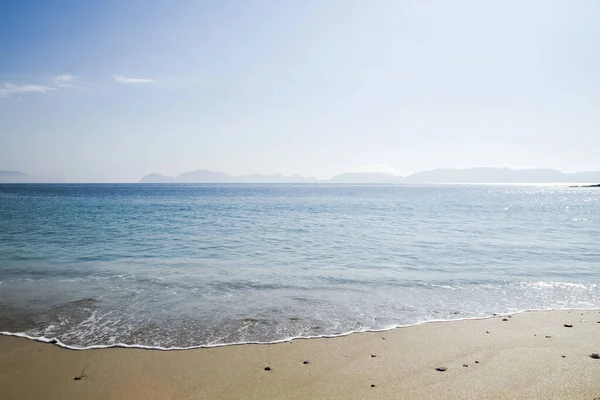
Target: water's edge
x=58, y=343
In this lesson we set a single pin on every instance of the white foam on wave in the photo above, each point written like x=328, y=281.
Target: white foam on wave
x=552, y=285
x=57, y=342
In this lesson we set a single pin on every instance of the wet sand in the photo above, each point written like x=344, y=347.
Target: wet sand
x=530, y=355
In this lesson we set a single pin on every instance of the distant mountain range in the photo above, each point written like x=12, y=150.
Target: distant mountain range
x=20, y=177
x=469, y=175
x=502, y=175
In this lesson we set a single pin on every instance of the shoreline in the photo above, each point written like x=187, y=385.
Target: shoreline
x=506, y=356
x=58, y=343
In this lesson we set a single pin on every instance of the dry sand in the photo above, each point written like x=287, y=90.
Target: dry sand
x=528, y=356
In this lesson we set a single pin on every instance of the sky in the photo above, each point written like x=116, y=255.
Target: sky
x=109, y=91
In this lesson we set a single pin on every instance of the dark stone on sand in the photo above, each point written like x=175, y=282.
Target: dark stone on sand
x=466, y=365
x=564, y=356
x=595, y=356
x=504, y=319
x=305, y=362
x=53, y=341
x=487, y=331
x=79, y=378
x=441, y=369
x=372, y=385
x=548, y=336
x=568, y=325
x=476, y=362
x=373, y=355
x=267, y=368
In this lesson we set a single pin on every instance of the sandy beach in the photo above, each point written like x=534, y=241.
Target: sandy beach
x=530, y=355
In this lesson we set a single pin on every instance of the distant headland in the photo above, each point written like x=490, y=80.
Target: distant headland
x=20, y=177
x=586, y=186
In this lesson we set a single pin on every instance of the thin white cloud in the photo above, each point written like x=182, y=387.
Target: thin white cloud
x=128, y=80
x=69, y=82
x=8, y=89
x=63, y=79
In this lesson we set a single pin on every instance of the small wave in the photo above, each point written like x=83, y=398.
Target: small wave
x=560, y=285
x=59, y=343
x=88, y=301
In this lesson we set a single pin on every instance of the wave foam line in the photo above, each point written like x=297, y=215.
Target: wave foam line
x=58, y=343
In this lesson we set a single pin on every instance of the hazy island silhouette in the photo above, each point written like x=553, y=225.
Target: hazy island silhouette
x=467, y=175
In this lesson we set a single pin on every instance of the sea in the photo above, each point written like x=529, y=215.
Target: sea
x=178, y=266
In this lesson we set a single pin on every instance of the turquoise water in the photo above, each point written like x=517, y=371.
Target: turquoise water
x=191, y=265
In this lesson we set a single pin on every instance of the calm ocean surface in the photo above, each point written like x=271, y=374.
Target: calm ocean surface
x=190, y=265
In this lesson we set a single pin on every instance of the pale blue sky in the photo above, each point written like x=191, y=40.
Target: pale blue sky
x=113, y=90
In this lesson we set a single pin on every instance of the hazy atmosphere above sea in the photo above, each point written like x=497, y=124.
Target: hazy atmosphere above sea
x=113, y=91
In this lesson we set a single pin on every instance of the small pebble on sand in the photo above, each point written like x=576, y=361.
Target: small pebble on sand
x=441, y=369
x=568, y=325
x=305, y=362
x=595, y=356
x=267, y=368
x=373, y=355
